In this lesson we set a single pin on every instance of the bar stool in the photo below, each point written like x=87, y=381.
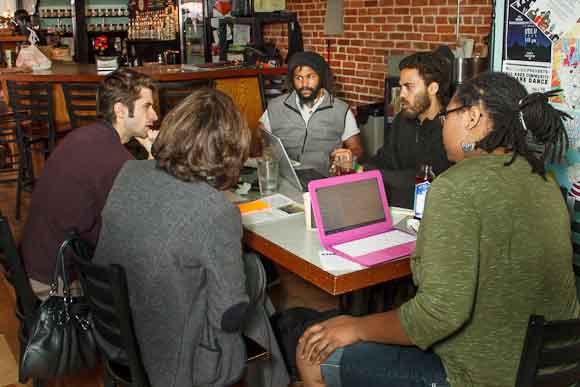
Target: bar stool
x=171, y=93
x=33, y=108
x=81, y=103
x=15, y=165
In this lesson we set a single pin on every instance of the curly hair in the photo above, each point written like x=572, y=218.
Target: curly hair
x=432, y=67
x=514, y=114
x=122, y=86
x=204, y=138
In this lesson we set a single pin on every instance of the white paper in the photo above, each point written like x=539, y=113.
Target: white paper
x=278, y=200
x=270, y=215
x=333, y=262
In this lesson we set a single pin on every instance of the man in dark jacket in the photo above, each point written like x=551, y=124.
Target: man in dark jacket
x=415, y=136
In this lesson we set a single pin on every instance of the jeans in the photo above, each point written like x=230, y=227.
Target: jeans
x=372, y=364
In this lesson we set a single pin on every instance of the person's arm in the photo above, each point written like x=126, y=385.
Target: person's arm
x=320, y=340
x=351, y=139
x=354, y=144
x=448, y=253
x=226, y=281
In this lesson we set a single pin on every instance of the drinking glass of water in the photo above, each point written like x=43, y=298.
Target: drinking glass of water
x=268, y=176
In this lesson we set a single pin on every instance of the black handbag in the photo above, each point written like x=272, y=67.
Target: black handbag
x=61, y=340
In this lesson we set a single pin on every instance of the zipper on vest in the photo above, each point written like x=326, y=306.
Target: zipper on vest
x=306, y=134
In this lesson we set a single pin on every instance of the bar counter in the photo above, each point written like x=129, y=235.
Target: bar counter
x=241, y=84
x=72, y=72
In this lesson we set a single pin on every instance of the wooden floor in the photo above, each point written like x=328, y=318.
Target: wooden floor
x=292, y=291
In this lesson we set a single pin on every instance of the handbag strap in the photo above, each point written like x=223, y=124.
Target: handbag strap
x=60, y=269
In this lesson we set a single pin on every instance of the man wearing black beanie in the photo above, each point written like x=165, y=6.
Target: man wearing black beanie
x=309, y=120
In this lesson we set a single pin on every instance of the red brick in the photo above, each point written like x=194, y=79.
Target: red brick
x=402, y=11
x=421, y=46
x=372, y=27
x=404, y=27
x=445, y=29
x=412, y=36
x=426, y=28
x=466, y=29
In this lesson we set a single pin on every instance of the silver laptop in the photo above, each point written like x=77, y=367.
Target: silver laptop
x=300, y=177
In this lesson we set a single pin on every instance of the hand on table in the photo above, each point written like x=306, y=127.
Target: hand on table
x=320, y=340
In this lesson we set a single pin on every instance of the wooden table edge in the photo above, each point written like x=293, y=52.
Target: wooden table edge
x=334, y=285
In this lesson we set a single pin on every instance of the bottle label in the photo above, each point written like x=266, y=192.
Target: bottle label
x=421, y=190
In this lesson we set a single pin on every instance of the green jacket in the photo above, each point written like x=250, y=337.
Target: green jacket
x=494, y=247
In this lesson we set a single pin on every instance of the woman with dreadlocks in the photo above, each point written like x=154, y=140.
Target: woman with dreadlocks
x=494, y=247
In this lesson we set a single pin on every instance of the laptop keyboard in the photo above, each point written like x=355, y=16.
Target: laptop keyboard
x=307, y=175
x=374, y=243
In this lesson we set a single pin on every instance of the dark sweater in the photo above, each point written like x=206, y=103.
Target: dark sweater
x=408, y=144
x=71, y=193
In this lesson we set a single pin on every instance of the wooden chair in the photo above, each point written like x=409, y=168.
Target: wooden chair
x=171, y=93
x=33, y=107
x=245, y=92
x=15, y=161
x=81, y=103
x=26, y=300
x=546, y=361
x=106, y=289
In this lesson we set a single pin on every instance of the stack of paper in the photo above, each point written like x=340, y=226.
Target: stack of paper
x=269, y=209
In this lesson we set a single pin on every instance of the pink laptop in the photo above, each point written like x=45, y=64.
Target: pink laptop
x=353, y=219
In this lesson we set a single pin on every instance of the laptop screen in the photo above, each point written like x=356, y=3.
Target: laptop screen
x=350, y=205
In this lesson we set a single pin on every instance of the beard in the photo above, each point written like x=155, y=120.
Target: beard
x=308, y=100
x=421, y=105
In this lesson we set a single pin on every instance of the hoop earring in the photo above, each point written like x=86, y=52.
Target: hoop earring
x=467, y=147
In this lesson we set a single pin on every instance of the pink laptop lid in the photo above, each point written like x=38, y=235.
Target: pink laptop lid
x=350, y=207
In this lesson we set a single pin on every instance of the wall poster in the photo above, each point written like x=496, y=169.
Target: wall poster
x=542, y=50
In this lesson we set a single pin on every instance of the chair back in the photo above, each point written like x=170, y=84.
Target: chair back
x=172, y=93
x=11, y=260
x=26, y=301
x=271, y=86
x=32, y=104
x=81, y=103
x=15, y=165
x=105, y=288
x=551, y=354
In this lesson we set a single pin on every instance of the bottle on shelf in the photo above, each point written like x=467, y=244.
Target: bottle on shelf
x=423, y=181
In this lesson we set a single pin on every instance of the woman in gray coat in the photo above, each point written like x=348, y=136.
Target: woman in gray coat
x=169, y=224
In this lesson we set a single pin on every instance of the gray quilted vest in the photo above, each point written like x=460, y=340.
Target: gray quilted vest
x=311, y=143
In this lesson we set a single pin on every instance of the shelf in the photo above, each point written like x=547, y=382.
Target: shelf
x=151, y=41
x=107, y=32
x=62, y=34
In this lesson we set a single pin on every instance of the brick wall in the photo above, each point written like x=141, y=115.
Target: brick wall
x=375, y=29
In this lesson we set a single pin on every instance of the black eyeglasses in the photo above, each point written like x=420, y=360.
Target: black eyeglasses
x=444, y=113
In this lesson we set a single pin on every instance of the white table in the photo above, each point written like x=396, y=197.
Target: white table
x=289, y=244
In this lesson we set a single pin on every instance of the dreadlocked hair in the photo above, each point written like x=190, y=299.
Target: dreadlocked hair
x=514, y=112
